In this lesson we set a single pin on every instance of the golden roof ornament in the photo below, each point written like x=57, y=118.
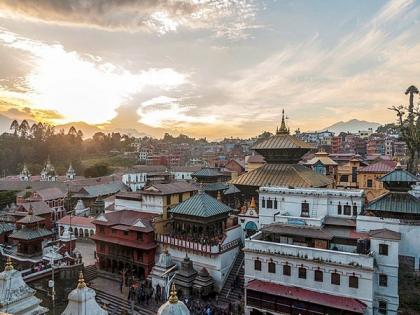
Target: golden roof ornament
x=81, y=284
x=9, y=265
x=283, y=129
x=219, y=196
x=173, y=298
x=253, y=204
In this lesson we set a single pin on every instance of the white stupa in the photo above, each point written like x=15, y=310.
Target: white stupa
x=80, y=209
x=159, y=271
x=25, y=175
x=173, y=306
x=16, y=297
x=71, y=173
x=48, y=173
x=82, y=301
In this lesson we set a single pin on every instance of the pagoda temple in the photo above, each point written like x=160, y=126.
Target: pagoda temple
x=398, y=202
x=30, y=235
x=173, y=306
x=82, y=301
x=282, y=152
x=211, y=180
x=16, y=297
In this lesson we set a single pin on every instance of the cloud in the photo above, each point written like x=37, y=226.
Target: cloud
x=365, y=72
x=230, y=18
x=80, y=87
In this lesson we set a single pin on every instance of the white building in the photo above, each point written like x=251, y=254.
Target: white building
x=184, y=172
x=139, y=176
x=314, y=255
x=16, y=297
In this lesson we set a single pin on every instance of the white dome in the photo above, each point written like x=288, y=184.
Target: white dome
x=173, y=306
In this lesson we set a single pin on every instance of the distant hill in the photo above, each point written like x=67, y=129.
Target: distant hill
x=88, y=130
x=352, y=126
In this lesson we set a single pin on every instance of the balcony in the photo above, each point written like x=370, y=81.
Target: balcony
x=309, y=253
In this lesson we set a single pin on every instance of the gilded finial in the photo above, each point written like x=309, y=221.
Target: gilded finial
x=9, y=265
x=82, y=283
x=253, y=204
x=283, y=129
x=173, y=298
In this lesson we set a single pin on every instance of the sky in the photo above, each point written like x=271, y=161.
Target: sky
x=207, y=68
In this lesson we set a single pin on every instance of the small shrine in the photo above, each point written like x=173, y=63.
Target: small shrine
x=16, y=297
x=30, y=235
x=71, y=173
x=249, y=218
x=25, y=175
x=82, y=301
x=67, y=242
x=159, y=273
x=184, y=278
x=48, y=173
x=203, y=284
x=80, y=209
x=173, y=306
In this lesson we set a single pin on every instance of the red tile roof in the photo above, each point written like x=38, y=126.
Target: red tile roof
x=134, y=220
x=379, y=167
x=122, y=242
x=334, y=301
x=79, y=221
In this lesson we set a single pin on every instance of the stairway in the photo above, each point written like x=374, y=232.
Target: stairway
x=119, y=306
x=229, y=293
x=90, y=273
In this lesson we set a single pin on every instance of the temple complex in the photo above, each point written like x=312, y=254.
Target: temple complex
x=16, y=297
x=282, y=152
x=173, y=306
x=82, y=301
x=203, y=227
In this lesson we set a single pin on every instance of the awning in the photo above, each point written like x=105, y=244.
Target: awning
x=295, y=293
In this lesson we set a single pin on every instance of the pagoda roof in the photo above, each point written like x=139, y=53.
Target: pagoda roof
x=201, y=205
x=282, y=141
x=394, y=201
x=6, y=227
x=399, y=175
x=30, y=234
x=31, y=218
x=207, y=172
x=321, y=157
x=294, y=175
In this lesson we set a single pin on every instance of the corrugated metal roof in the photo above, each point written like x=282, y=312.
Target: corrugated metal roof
x=100, y=190
x=401, y=202
x=6, y=227
x=201, y=205
x=282, y=141
x=285, y=175
x=379, y=167
x=207, y=172
x=400, y=175
x=29, y=234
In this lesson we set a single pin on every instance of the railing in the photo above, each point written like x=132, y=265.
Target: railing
x=195, y=246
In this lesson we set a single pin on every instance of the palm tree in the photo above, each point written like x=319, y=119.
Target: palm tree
x=14, y=126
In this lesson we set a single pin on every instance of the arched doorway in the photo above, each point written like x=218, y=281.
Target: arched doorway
x=250, y=228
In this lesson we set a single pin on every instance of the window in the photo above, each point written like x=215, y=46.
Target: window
x=302, y=273
x=125, y=232
x=354, y=210
x=305, y=209
x=339, y=210
x=382, y=307
x=287, y=270
x=275, y=203
x=335, y=278
x=354, y=174
x=271, y=267
x=263, y=203
x=318, y=276
x=101, y=229
x=180, y=197
x=269, y=203
x=347, y=210
x=102, y=247
x=113, y=231
x=383, y=249
x=369, y=183
x=353, y=282
x=344, y=178
x=257, y=264
x=383, y=280
x=139, y=236
x=168, y=200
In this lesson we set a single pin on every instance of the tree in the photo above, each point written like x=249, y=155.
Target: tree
x=15, y=127
x=24, y=128
x=72, y=131
x=409, y=126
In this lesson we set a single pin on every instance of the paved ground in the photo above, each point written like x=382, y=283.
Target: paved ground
x=110, y=287
x=87, y=248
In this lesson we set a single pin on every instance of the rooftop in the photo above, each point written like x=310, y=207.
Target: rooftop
x=168, y=188
x=401, y=202
x=79, y=221
x=135, y=220
x=379, y=167
x=207, y=172
x=301, y=230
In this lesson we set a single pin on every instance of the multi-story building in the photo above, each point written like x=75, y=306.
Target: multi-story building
x=368, y=178
x=336, y=144
x=310, y=258
x=125, y=241
x=347, y=173
x=137, y=177
x=184, y=173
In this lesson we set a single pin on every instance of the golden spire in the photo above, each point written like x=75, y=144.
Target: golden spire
x=82, y=283
x=283, y=129
x=9, y=265
x=173, y=298
x=253, y=204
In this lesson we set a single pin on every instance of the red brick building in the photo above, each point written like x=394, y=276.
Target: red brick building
x=125, y=241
